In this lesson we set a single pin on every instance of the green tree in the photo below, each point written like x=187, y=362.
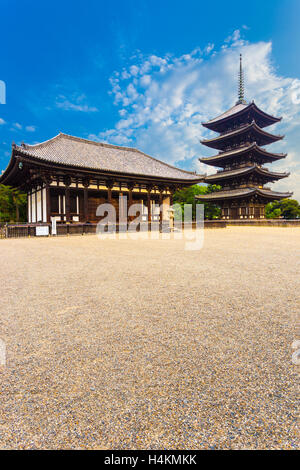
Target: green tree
x=5, y=203
x=286, y=208
x=20, y=201
x=12, y=204
x=187, y=196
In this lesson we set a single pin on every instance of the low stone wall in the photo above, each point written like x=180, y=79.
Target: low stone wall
x=215, y=224
x=265, y=222
x=33, y=230
x=29, y=230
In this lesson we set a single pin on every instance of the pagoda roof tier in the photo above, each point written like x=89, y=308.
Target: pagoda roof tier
x=242, y=193
x=247, y=170
x=74, y=152
x=252, y=132
x=241, y=112
x=223, y=157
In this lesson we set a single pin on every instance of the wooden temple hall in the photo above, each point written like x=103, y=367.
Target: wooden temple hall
x=241, y=140
x=67, y=178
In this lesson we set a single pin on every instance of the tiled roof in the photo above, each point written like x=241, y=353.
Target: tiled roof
x=246, y=169
x=235, y=109
x=241, y=130
x=77, y=152
x=242, y=192
x=274, y=194
x=245, y=148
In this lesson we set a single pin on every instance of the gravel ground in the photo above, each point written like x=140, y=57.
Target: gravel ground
x=123, y=344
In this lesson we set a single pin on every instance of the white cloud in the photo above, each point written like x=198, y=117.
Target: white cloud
x=2, y=121
x=163, y=100
x=75, y=103
x=17, y=125
x=30, y=128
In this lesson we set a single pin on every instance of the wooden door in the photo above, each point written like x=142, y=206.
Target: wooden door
x=233, y=212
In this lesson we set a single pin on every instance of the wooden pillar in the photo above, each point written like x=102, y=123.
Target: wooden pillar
x=67, y=182
x=85, y=203
x=35, y=196
x=130, y=195
x=86, y=184
x=42, y=202
x=30, y=205
x=121, y=206
x=130, y=187
x=160, y=205
x=47, y=180
x=48, y=202
x=149, y=203
x=67, y=198
x=109, y=194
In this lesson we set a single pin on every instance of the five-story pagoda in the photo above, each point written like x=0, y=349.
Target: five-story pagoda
x=241, y=157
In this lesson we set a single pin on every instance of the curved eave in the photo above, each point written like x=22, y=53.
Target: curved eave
x=33, y=159
x=236, y=153
x=224, y=175
x=242, y=193
x=220, y=139
x=215, y=124
x=274, y=194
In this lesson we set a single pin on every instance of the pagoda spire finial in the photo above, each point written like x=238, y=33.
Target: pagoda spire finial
x=241, y=90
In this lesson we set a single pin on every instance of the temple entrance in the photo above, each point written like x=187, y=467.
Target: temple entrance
x=256, y=212
x=234, y=213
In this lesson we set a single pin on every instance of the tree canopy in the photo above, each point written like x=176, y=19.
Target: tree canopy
x=12, y=204
x=286, y=208
x=187, y=196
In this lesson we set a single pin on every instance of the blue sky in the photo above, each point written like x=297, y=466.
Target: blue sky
x=147, y=73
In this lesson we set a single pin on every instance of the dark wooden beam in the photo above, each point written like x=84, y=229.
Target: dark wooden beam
x=109, y=185
x=30, y=205
x=86, y=183
x=35, y=198
x=42, y=203
x=149, y=188
x=160, y=205
x=67, y=198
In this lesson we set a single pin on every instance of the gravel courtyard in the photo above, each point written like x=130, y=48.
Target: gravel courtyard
x=124, y=344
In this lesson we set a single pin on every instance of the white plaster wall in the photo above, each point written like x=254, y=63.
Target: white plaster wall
x=33, y=208
x=44, y=205
x=29, y=207
x=39, y=205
